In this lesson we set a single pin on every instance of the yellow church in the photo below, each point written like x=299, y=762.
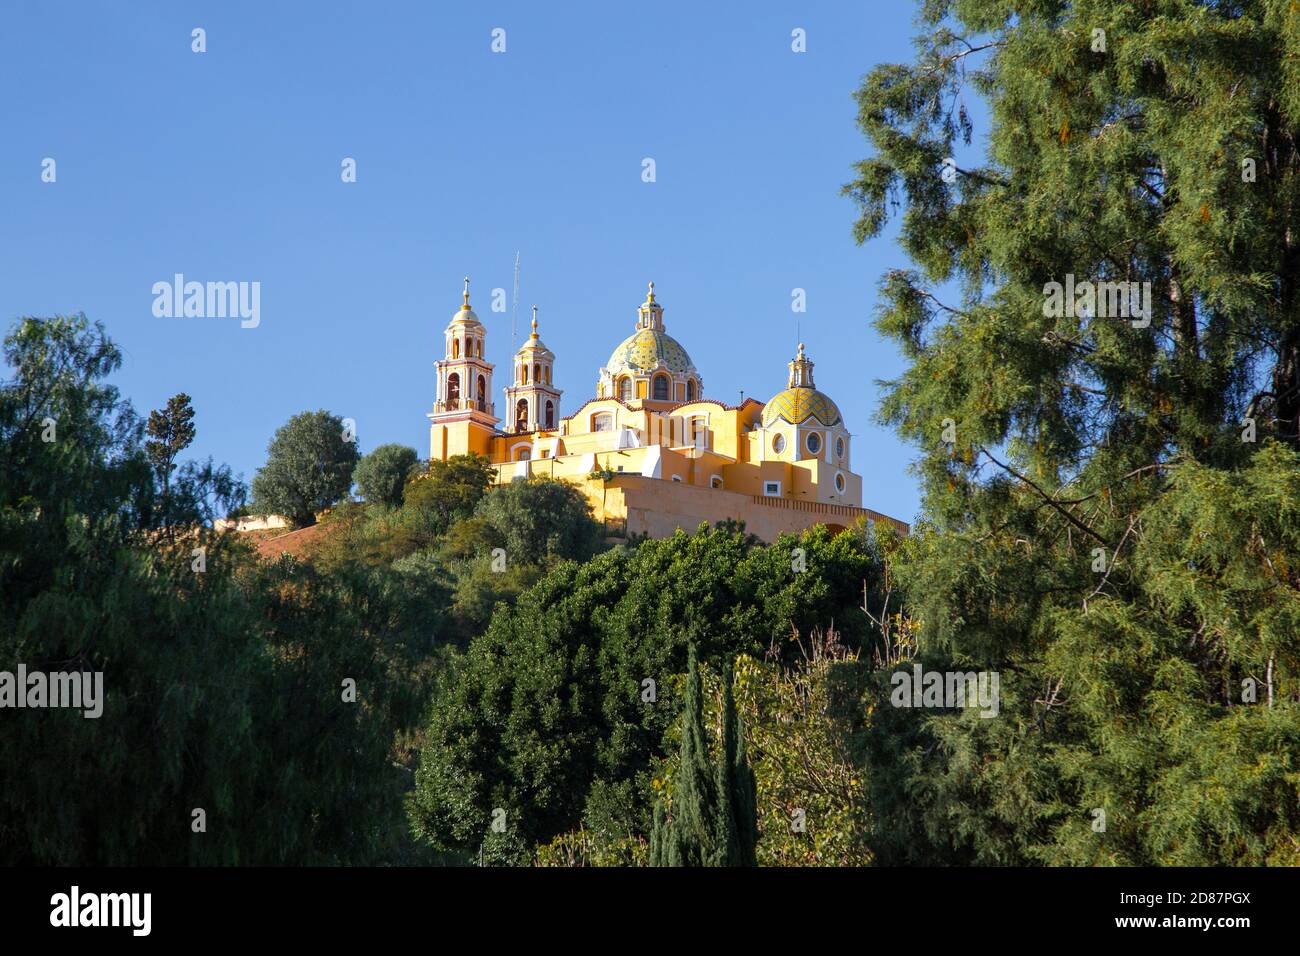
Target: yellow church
x=650, y=451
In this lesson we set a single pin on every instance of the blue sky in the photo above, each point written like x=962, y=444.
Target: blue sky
x=225, y=166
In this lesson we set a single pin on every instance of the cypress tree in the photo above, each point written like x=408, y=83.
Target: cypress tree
x=714, y=818
x=688, y=838
x=737, y=790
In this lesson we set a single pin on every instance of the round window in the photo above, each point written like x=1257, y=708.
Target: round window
x=814, y=442
x=778, y=444
x=839, y=448
x=839, y=483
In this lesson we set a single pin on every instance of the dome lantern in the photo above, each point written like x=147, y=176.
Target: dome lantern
x=801, y=371
x=651, y=314
x=801, y=401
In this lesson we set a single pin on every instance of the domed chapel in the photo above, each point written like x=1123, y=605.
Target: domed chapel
x=650, y=451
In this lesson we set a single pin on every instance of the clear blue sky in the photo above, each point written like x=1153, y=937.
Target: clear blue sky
x=225, y=166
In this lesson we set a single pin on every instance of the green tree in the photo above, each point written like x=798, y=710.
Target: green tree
x=712, y=819
x=170, y=431
x=1105, y=478
x=549, y=708
x=691, y=831
x=308, y=468
x=737, y=786
x=222, y=678
x=449, y=490
x=381, y=476
x=542, y=519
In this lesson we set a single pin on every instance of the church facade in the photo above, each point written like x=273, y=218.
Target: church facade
x=650, y=451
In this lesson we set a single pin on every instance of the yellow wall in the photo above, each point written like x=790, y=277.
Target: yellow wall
x=657, y=508
x=459, y=438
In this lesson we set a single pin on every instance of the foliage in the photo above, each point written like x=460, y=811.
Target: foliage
x=381, y=476
x=221, y=681
x=686, y=829
x=1109, y=499
x=584, y=848
x=806, y=725
x=448, y=491
x=540, y=519
x=170, y=431
x=546, y=714
x=308, y=468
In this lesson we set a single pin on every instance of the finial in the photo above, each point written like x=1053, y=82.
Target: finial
x=466, y=306
x=534, y=321
x=801, y=350
x=650, y=296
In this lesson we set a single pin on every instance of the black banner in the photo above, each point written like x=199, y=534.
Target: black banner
x=941, y=906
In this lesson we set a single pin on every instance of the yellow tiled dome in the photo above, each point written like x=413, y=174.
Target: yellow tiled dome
x=646, y=349
x=801, y=400
x=797, y=405
x=650, y=347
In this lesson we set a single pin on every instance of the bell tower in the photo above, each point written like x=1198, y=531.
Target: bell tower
x=463, y=418
x=532, y=401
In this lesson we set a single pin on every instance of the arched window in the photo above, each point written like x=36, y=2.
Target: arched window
x=480, y=348
x=482, y=394
x=625, y=389
x=548, y=375
x=524, y=453
x=550, y=414
x=690, y=390
x=662, y=385
x=523, y=375
x=537, y=374
x=453, y=389
x=604, y=422
x=455, y=348
x=521, y=415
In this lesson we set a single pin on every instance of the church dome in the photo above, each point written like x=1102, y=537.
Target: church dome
x=801, y=401
x=646, y=349
x=797, y=405
x=650, y=347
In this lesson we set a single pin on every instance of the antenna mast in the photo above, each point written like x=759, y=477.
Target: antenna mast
x=514, y=309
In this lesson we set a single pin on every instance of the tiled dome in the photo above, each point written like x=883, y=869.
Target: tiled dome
x=646, y=349
x=797, y=405
x=801, y=400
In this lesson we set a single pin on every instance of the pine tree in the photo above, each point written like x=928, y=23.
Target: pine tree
x=170, y=431
x=1110, y=492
